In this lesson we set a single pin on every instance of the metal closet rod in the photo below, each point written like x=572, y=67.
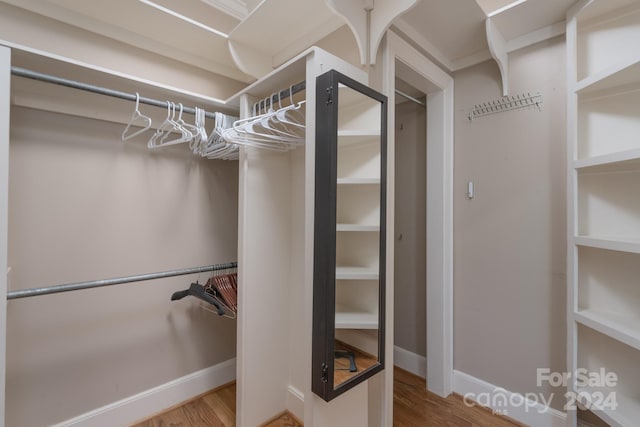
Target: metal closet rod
x=34, y=75
x=410, y=98
x=117, y=281
x=283, y=94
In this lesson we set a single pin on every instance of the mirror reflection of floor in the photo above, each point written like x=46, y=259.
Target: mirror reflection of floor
x=363, y=362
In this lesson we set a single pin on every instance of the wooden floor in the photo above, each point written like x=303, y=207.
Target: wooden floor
x=413, y=406
x=341, y=371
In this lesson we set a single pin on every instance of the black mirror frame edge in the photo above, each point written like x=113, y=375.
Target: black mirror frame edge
x=324, y=279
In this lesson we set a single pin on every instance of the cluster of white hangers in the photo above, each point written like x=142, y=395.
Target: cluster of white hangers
x=282, y=129
x=174, y=130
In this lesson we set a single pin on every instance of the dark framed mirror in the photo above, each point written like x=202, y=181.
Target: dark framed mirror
x=349, y=234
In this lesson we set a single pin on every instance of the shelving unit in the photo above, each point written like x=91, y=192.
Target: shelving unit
x=276, y=202
x=619, y=405
x=604, y=207
x=358, y=214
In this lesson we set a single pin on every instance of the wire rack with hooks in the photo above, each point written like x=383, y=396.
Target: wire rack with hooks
x=506, y=103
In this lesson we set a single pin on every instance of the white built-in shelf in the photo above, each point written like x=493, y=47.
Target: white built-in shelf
x=356, y=273
x=356, y=137
x=357, y=227
x=610, y=243
x=624, y=73
x=610, y=162
x=604, y=330
x=597, y=10
x=277, y=30
x=358, y=181
x=347, y=318
x=626, y=414
x=625, y=329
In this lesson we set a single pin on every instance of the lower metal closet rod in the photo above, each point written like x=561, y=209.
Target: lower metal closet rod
x=117, y=281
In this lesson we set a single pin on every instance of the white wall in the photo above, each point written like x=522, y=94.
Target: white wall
x=410, y=222
x=83, y=205
x=510, y=240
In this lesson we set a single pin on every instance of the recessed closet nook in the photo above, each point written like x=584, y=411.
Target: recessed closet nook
x=305, y=197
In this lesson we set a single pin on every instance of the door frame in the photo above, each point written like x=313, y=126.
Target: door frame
x=438, y=86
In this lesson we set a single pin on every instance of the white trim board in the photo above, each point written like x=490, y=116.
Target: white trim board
x=5, y=111
x=517, y=406
x=405, y=61
x=410, y=362
x=295, y=402
x=137, y=407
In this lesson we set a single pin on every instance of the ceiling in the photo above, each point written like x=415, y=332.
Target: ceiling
x=453, y=31
x=198, y=31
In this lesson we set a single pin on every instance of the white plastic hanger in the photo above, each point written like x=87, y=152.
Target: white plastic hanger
x=185, y=134
x=165, y=126
x=253, y=132
x=136, y=117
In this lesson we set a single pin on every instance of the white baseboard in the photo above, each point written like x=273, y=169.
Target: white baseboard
x=295, y=402
x=513, y=405
x=410, y=362
x=135, y=408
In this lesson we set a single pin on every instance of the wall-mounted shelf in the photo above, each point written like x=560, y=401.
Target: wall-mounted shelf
x=358, y=181
x=356, y=273
x=625, y=329
x=619, y=74
x=598, y=351
x=348, y=318
x=617, y=418
x=610, y=162
x=357, y=227
x=603, y=266
x=357, y=136
x=622, y=245
x=277, y=30
x=603, y=39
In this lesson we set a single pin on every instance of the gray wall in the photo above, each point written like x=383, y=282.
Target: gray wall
x=510, y=241
x=83, y=205
x=410, y=222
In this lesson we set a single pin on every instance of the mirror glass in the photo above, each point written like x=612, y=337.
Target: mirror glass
x=349, y=234
x=358, y=245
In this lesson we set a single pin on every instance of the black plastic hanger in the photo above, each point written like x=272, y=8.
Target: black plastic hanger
x=197, y=290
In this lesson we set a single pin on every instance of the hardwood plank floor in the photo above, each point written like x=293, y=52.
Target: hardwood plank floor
x=413, y=406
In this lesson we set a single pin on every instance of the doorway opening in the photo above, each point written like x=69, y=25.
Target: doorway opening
x=410, y=222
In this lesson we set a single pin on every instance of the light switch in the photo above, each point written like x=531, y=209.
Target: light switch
x=470, y=190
